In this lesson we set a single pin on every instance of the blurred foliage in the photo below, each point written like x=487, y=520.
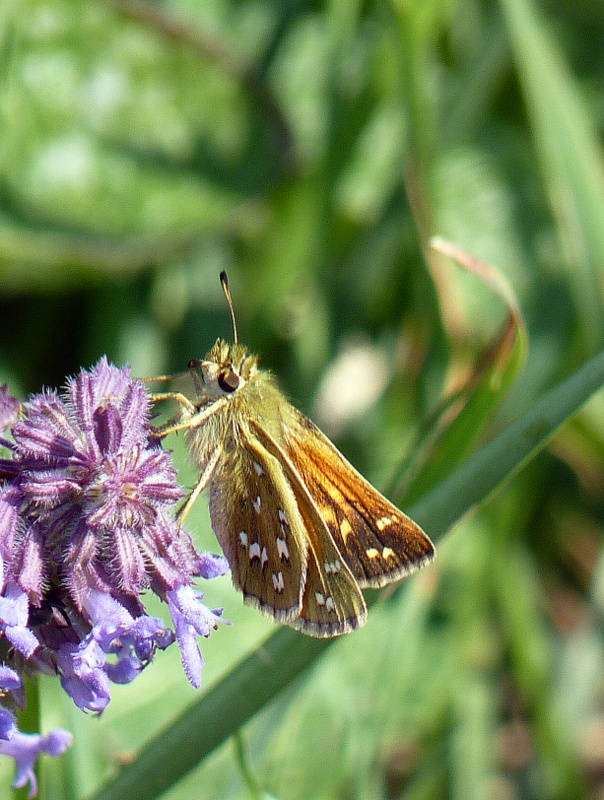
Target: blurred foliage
x=312, y=149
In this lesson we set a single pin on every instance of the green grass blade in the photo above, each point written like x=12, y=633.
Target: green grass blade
x=507, y=453
x=570, y=157
x=260, y=677
x=464, y=415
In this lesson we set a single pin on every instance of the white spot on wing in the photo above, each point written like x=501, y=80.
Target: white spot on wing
x=258, y=468
x=387, y=552
x=320, y=598
x=257, y=504
x=278, y=582
x=254, y=551
x=372, y=552
x=282, y=516
x=282, y=549
x=243, y=538
x=329, y=603
x=263, y=556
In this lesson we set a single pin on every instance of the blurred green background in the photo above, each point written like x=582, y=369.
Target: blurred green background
x=312, y=149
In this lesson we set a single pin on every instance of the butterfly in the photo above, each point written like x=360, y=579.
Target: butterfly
x=302, y=530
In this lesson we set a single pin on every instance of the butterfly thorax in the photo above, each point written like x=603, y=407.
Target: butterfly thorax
x=230, y=384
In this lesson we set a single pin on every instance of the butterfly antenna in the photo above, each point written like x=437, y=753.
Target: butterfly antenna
x=224, y=280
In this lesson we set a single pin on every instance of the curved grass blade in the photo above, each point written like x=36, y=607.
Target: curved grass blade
x=461, y=418
x=262, y=675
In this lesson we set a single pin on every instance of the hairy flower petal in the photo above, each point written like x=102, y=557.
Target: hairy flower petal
x=8, y=727
x=10, y=683
x=211, y=566
x=27, y=564
x=9, y=679
x=131, y=576
x=10, y=502
x=9, y=408
x=190, y=618
x=47, y=432
x=14, y=613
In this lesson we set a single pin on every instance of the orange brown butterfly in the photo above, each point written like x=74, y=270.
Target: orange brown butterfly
x=302, y=530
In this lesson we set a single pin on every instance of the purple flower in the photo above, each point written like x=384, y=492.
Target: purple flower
x=86, y=526
x=115, y=650
x=14, y=617
x=91, y=487
x=25, y=749
x=9, y=408
x=10, y=683
x=191, y=617
x=8, y=727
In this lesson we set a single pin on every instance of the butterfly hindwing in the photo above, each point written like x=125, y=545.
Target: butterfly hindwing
x=257, y=522
x=333, y=603
x=379, y=543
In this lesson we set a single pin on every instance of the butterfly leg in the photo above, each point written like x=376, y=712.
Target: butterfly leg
x=176, y=423
x=201, y=484
x=193, y=418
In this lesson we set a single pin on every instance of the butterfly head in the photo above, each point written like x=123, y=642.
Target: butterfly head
x=226, y=369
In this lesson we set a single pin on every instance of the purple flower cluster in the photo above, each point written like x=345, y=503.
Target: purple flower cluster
x=87, y=526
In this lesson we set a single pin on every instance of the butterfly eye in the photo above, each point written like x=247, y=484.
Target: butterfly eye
x=228, y=381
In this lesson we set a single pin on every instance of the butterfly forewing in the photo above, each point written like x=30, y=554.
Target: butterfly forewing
x=379, y=543
x=257, y=522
